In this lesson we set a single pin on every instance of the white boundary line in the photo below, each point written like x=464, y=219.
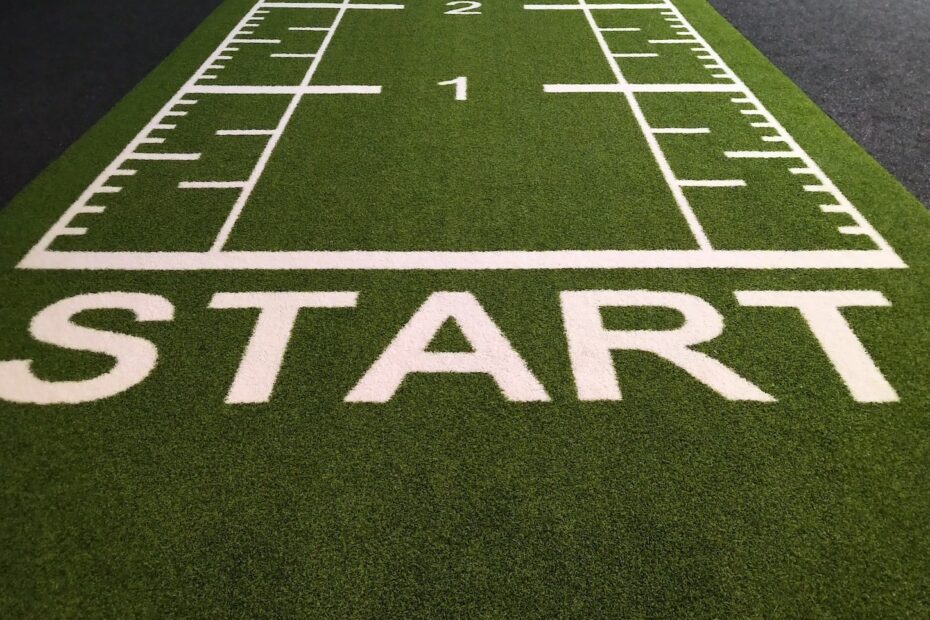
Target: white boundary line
x=41, y=257
x=466, y=261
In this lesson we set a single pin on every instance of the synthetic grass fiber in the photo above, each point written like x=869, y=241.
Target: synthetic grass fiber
x=469, y=179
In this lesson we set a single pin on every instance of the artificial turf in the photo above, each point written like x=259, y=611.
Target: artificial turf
x=449, y=500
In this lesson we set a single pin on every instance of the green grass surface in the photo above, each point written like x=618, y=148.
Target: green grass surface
x=450, y=501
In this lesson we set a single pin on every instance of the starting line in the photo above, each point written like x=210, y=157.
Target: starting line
x=705, y=257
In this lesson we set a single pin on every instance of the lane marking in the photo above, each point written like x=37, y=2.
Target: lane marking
x=628, y=88
x=211, y=184
x=711, y=183
x=762, y=154
x=341, y=89
x=465, y=261
x=245, y=132
x=697, y=230
x=681, y=130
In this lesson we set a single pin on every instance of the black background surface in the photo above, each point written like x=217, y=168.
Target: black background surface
x=65, y=63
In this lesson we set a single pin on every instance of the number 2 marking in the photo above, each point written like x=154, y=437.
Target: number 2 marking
x=465, y=8
x=461, y=87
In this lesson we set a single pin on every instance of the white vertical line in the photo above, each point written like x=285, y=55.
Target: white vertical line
x=696, y=229
x=252, y=181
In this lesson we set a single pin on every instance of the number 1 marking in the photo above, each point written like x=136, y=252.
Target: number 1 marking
x=461, y=87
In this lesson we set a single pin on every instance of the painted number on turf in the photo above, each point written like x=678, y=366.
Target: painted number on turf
x=461, y=87
x=464, y=8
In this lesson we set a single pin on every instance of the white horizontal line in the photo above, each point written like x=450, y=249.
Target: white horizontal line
x=801, y=171
x=836, y=209
x=761, y=154
x=329, y=5
x=712, y=183
x=467, y=261
x=106, y=189
x=641, y=88
x=124, y=173
x=634, y=55
x=620, y=29
x=578, y=7
x=245, y=132
x=211, y=184
x=817, y=188
x=309, y=29
x=293, y=55
x=164, y=156
x=672, y=41
x=257, y=41
x=91, y=209
x=852, y=230
x=681, y=130
x=344, y=89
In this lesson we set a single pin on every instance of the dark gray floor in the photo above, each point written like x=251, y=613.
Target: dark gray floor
x=65, y=63
x=865, y=62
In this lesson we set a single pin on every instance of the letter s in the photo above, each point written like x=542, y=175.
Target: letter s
x=135, y=357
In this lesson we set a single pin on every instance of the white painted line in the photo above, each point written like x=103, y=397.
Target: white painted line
x=167, y=127
x=601, y=7
x=772, y=139
x=802, y=171
x=834, y=209
x=309, y=29
x=465, y=261
x=73, y=231
x=230, y=222
x=635, y=55
x=124, y=173
x=330, y=5
x=817, y=189
x=257, y=41
x=211, y=184
x=853, y=230
x=342, y=89
x=620, y=29
x=694, y=225
x=640, y=88
x=164, y=156
x=92, y=209
x=152, y=141
x=293, y=55
x=712, y=183
x=681, y=130
x=762, y=155
x=245, y=132
x=187, y=102
x=671, y=41
x=173, y=113
x=761, y=125
x=106, y=189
